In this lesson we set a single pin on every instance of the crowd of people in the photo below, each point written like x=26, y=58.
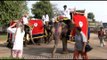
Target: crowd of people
x=18, y=31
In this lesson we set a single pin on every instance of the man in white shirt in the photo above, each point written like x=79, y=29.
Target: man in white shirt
x=45, y=18
x=67, y=18
x=66, y=12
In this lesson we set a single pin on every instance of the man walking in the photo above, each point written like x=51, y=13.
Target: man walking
x=101, y=36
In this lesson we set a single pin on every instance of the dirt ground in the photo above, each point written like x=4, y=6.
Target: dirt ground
x=44, y=51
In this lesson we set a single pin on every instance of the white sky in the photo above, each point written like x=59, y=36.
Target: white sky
x=97, y=7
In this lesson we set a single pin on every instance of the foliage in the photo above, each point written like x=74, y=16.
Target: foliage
x=90, y=15
x=11, y=10
x=3, y=37
x=39, y=8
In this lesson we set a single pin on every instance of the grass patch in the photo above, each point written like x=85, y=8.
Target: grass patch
x=6, y=58
x=3, y=37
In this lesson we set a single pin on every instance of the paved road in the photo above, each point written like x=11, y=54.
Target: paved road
x=44, y=51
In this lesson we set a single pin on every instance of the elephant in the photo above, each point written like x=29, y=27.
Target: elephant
x=61, y=31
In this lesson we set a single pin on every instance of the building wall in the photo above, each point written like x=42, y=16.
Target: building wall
x=94, y=26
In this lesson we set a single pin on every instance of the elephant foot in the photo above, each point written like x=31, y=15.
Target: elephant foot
x=25, y=44
x=39, y=44
x=52, y=55
x=65, y=52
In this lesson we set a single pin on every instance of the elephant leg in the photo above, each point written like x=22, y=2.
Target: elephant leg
x=25, y=43
x=46, y=38
x=64, y=44
x=31, y=38
x=50, y=38
x=51, y=35
x=54, y=50
x=55, y=45
x=27, y=38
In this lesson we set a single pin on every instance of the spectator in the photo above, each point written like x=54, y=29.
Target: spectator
x=79, y=47
x=18, y=34
x=101, y=37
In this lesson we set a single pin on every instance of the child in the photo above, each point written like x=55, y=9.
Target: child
x=80, y=43
x=18, y=33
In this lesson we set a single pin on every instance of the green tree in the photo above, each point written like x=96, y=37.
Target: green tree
x=39, y=8
x=90, y=15
x=11, y=10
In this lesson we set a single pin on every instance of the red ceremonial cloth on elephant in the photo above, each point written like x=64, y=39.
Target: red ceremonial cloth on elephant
x=37, y=26
x=80, y=21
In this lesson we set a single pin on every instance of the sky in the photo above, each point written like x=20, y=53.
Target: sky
x=98, y=8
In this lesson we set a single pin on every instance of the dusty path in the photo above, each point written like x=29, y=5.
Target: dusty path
x=44, y=51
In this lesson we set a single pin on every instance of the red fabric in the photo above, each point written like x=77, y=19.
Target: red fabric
x=73, y=32
x=61, y=17
x=10, y=35
x=77, y=18
x=39, y=29
x=11, y=23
